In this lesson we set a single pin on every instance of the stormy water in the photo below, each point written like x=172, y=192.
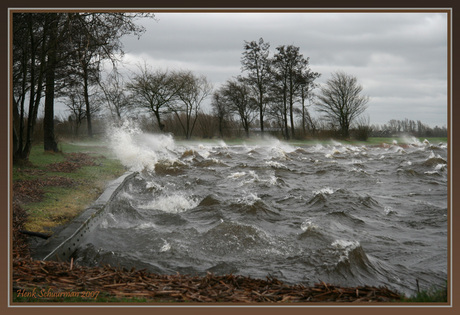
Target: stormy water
x=344, y=214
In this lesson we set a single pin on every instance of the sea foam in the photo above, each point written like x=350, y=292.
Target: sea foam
x=137, y=150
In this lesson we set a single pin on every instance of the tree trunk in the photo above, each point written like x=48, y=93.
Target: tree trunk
x=286, y=129
x=261, y=116
x=49, y=140
x=35, y=95
x=17, y=148
x=86, y=96
x=303, y=114
x=245, y=126
x=160, y=124
x=291, y=114
x=221, y=129
x=188, y=115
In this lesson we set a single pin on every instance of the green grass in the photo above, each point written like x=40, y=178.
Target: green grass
x=62, y=204
x=434, y=295
x=92, y=146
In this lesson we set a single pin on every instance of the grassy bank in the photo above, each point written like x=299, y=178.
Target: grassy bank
x=53, y=188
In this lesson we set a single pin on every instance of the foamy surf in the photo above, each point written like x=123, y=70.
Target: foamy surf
x=345, y=247
x=295, y=213
x=308, y=225
x=171, y=204
x=139, y=151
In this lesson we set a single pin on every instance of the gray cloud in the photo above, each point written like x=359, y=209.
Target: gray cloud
x=399, y=58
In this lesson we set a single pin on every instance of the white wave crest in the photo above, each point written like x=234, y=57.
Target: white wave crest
x=145, y=226
x=389, y=210
x=236, y=175
x=254, y=178
x=171, y=204
x=137, y=150
x=441, y=167
x=166, y=246
x=250, y=199
x=308, y=225
x=275, y=164
x=345, y=247
x=324, y=191
x=273, y=180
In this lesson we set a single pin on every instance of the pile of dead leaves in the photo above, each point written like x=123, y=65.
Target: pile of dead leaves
x=67, y=277
x=81, y=159
x=31, y=190
x=63, y=167
x=73, y=162
x=20, y=241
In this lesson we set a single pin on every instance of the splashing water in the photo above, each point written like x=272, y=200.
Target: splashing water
x=268, y=208
x=171, y=204
x=137, y=150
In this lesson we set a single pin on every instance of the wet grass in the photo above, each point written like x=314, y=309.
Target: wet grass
x=433, y=295
x=59, y=204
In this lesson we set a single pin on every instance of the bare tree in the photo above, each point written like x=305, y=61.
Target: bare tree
x=56, y=30
x=154, y=91
x=239, y=100
x=191, y=91
x=96, y=37
x=293, y=79
x=220, y=110
x=29, y=65
x=114, y=95
x=306, y=93
x=341, y=101
x=76, y=102
x=256, y=63
x=46, y=47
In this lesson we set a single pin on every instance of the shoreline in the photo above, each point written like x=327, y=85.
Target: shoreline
x=327, y=291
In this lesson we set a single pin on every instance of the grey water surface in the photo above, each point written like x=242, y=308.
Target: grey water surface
x=343, y=214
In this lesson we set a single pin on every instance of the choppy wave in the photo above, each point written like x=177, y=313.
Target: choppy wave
x=139, y=151
x=336, y=212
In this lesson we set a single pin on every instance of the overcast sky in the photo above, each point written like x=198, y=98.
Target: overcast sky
x=400, y=59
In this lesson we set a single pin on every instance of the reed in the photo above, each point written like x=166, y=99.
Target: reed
x=432, y=295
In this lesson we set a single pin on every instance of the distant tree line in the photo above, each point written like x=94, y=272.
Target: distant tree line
x=273, y=94
x=407, y=127
x=63, y=56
